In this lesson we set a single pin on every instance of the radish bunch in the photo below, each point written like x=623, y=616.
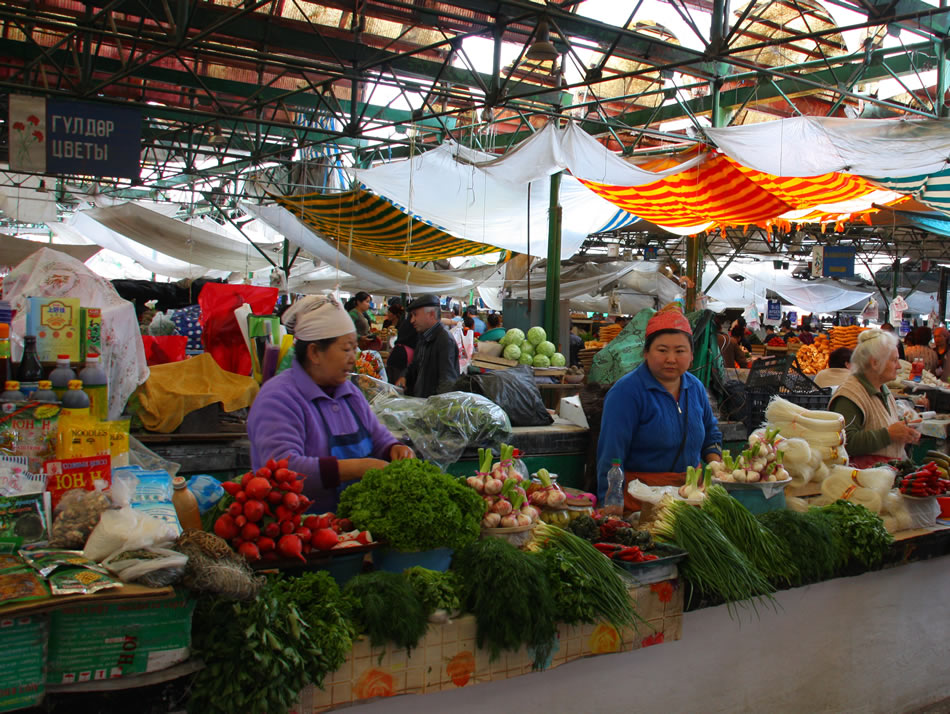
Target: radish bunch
x=761, y=462
x=545, y=492
x=264, y=519
x=505, y=500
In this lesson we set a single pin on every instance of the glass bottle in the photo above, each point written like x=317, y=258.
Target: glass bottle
x=30, y=371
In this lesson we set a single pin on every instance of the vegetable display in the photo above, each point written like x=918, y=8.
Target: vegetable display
x=412, y=505
x=810, y=543
x=534, y=349
x=762, y=461
x=863, y=535
x=925, y=481
x=436, y=590
x=500, y=486
x=294, y=633
x=510, y=595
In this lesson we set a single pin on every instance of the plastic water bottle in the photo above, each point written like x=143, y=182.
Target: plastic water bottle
x=613, y=503
x=95, y=384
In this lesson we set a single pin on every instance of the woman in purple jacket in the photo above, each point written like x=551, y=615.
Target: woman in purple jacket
x=313, y=415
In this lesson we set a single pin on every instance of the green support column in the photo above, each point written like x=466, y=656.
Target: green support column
x=692, y=270
x=940, y=45
x=552, y=293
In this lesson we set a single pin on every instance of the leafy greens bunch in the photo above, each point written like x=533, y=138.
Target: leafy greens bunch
x=412, y=505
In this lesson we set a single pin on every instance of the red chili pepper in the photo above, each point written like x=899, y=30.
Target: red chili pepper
x=607, y=548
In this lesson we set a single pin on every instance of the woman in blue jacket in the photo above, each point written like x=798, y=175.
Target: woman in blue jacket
x=657, y=419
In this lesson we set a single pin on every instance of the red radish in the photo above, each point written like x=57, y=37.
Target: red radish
x=266, y=545
x=250, y=532
x=305, y=503
x=346, y=544
x=324, y=539
x=262, y=472
x=246, y=477
x=249, y=551
x=235, y=509
x=258, y=488
x=283, y=485
x=237, y=542
x=231, y=487
x=225, y=528
x=272, y=530
x=283, y=474
x=240, y=497
x=254, y=511
x=275, y=497
x=345, y=524
x=271, y=464
x=307, y=548
x=324, y=520
x=304, y=533
x=291, y=501
x=287, y=527
x=296, y=486
x=283, y=513
x=365, y=537
x=296, y=519
x=282, y=463
x=290, y=546
x=240, y=521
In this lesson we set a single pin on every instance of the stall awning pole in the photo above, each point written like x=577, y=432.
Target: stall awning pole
x=552, y=292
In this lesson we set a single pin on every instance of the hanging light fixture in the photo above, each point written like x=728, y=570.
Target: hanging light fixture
x=217, y=138
x=542, y=49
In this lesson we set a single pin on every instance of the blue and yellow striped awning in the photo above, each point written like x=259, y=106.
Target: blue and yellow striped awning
x=363, y=220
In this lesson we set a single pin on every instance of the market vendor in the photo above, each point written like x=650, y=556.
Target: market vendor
x=657, y=419
x=838, y=370
x=495, y=331
x=732, y=353
x=358, y=309
x=873, y=425
x=435, y=365
x=313, y=415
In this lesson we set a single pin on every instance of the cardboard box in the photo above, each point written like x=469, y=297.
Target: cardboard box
x=56, y=323
x=90, y=334
x=93, y=641
x=570, y=409
x=22, y=655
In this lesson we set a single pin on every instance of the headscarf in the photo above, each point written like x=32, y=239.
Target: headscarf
x=668, y=319
x=318, y=317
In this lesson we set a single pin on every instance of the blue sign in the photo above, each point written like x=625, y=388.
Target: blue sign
x=649, y=252
x=792, y=317
x=905, y=327
x=773, y=313
x=834, y=261
x=93, y=139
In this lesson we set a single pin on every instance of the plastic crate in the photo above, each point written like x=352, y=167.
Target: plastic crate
x=796, y=381
x=758, y=400
x=768, y=372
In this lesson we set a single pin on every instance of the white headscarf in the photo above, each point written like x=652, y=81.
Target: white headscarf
x=318, y=317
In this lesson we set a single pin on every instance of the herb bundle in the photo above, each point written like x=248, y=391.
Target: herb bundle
x=765, y=551
x=810, y=543
x=387, y=609
x=436, y=590
x=509, y=594
x=862, y=534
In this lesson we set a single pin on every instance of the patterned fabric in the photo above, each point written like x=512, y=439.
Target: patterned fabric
x=186, y=320
x=722, y=191
x=363, y=220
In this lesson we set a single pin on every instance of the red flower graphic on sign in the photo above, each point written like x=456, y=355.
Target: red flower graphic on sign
x=38, y=135
x=33, y=119
x=654, y=639
x=663, y=590
x=25, y=140
x=19, y=126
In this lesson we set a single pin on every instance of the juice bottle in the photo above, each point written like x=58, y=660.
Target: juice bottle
x=75, y=400
x=96, y=385
x=61, y=375
x=44, y=392
x=186, y=505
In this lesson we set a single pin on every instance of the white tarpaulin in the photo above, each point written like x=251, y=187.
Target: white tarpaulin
x=15, y=250
x=810, y=146
x=482, y=198
x=821, y=295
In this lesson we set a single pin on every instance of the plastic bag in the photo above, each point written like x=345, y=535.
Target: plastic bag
x=78, y=513
x=442, y=426
x=141, y=455
x=124, y=529
x=515, y=391
x=221, y=333
x=207, y=491
x=373, y=388
x=152, y=567
x=162, y=349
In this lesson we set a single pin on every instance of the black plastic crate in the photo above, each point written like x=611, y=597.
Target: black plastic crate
x=758, y=400
x=768, y=372
x=797, y=382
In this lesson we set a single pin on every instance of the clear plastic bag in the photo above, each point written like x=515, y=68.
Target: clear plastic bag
x=124, y=529
x=373, y=388
x=77, y=514
x=152, y=567
x=141, y=455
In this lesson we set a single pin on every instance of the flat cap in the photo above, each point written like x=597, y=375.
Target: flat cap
x=427, y=300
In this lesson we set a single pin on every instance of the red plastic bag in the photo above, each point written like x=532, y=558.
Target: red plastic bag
x=162, y=349
x=220, y=331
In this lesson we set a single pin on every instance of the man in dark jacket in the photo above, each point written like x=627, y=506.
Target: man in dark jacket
x=435, y=365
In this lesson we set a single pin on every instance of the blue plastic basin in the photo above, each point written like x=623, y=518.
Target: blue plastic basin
x=394, y=561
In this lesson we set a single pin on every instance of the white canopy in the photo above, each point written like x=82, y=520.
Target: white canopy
x=15, y=250
x=809, y=146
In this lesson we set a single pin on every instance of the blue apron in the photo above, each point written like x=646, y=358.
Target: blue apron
x=355, y=445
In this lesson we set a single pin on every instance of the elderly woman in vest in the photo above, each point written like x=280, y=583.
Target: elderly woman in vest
x=874, y=430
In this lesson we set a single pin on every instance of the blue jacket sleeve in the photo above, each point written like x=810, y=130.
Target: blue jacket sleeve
x=617, y=427
x=712, y=443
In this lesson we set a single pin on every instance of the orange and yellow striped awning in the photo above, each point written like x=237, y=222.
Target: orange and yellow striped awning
x=363, y=220
x=721, y=191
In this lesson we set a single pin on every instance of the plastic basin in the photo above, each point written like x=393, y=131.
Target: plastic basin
x=754, y=499
x=944, y=503
x=394, y=561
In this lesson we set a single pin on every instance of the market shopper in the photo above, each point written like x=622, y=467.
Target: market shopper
x=435, y=366
x=942, y=349
x=838, y=369
x=313, y=415
x=873, y=425
x=657, y=419
x=918, y=347
x=400, y=356
x=480, y=326
x=732, y=353
x=495, y=331
x=358, y=309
